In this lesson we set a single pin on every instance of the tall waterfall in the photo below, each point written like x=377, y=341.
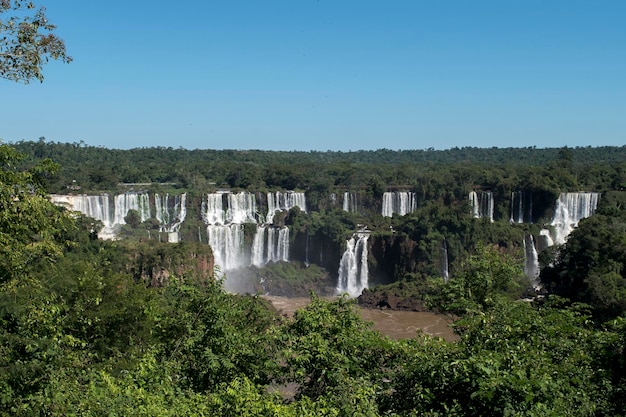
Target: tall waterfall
x=212, y=209
x=353, y=269
x=139, y=202
x=284, y=201
x=227, y=243
x=350, y=203
x=570, y=209
x=482, y=204
x=270, y=244
x=225, y=229
x=401, y=202
x=171, y=213
x=531, y=261
x=521, y=207
x=225, y=214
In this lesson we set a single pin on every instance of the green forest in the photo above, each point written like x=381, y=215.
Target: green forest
x=86, y=328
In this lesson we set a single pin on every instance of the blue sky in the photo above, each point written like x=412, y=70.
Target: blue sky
x=329, y=75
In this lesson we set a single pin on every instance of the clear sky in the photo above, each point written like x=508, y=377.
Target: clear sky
x=329, y=75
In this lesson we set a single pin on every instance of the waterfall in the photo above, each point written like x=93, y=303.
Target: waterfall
x=521, y=207
x=161, y=213
x=95, y=206
x=225, y=214
x=570, y=209
x=258, y=256
x=225, y=228
x=400, y=202
x=473, y=197
x=241, y=208
x=170, y=213
x=353, y=269
x=212, y=209
x=482, y=204
x=283, y=244
x=306, y=250
x=227, y=243
x=284, y=201
x=388, y=204
x=98, y=207
x=139, y=202
x=531, y=261
x=444, y=261
x=350, y=202
x=270, y=244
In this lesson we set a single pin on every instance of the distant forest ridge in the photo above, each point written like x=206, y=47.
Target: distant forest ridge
x=527, y=156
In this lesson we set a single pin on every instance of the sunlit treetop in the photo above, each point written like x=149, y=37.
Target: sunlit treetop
x=27, y=41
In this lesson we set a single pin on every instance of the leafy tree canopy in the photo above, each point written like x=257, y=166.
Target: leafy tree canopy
x=27, y=41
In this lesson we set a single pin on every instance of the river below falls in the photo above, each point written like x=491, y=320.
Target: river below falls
x=391, y=323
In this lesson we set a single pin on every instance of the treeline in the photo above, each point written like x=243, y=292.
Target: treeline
x=428, y=171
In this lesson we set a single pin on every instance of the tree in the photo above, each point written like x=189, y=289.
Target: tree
x=30, y=223
x=133, y=218
x=515, y=359
x=27, y=41
x=590, y=267
x=486, y=275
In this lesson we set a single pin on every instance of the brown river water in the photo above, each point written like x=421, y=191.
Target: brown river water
x=391, y=323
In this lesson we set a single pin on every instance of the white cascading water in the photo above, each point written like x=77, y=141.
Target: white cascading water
x=482, y=204
x=350, y=202
x=278, y=244
x=212, y=209
x=283, y=201
x=400, y=202
x=227, y=244
x=521, y=207
x=98, y=207
x=170, y=213
x=139, y=202
x=570, y=209
x=353, y=269
x=258, y=256
x=226, y=233
x=531, y=261
x=225, y=237
x=444, y=261
x=94, y=206
x=241, y=208
x=270, y=244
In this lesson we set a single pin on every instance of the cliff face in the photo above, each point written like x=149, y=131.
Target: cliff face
x=390, y=255
x=316, y=250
